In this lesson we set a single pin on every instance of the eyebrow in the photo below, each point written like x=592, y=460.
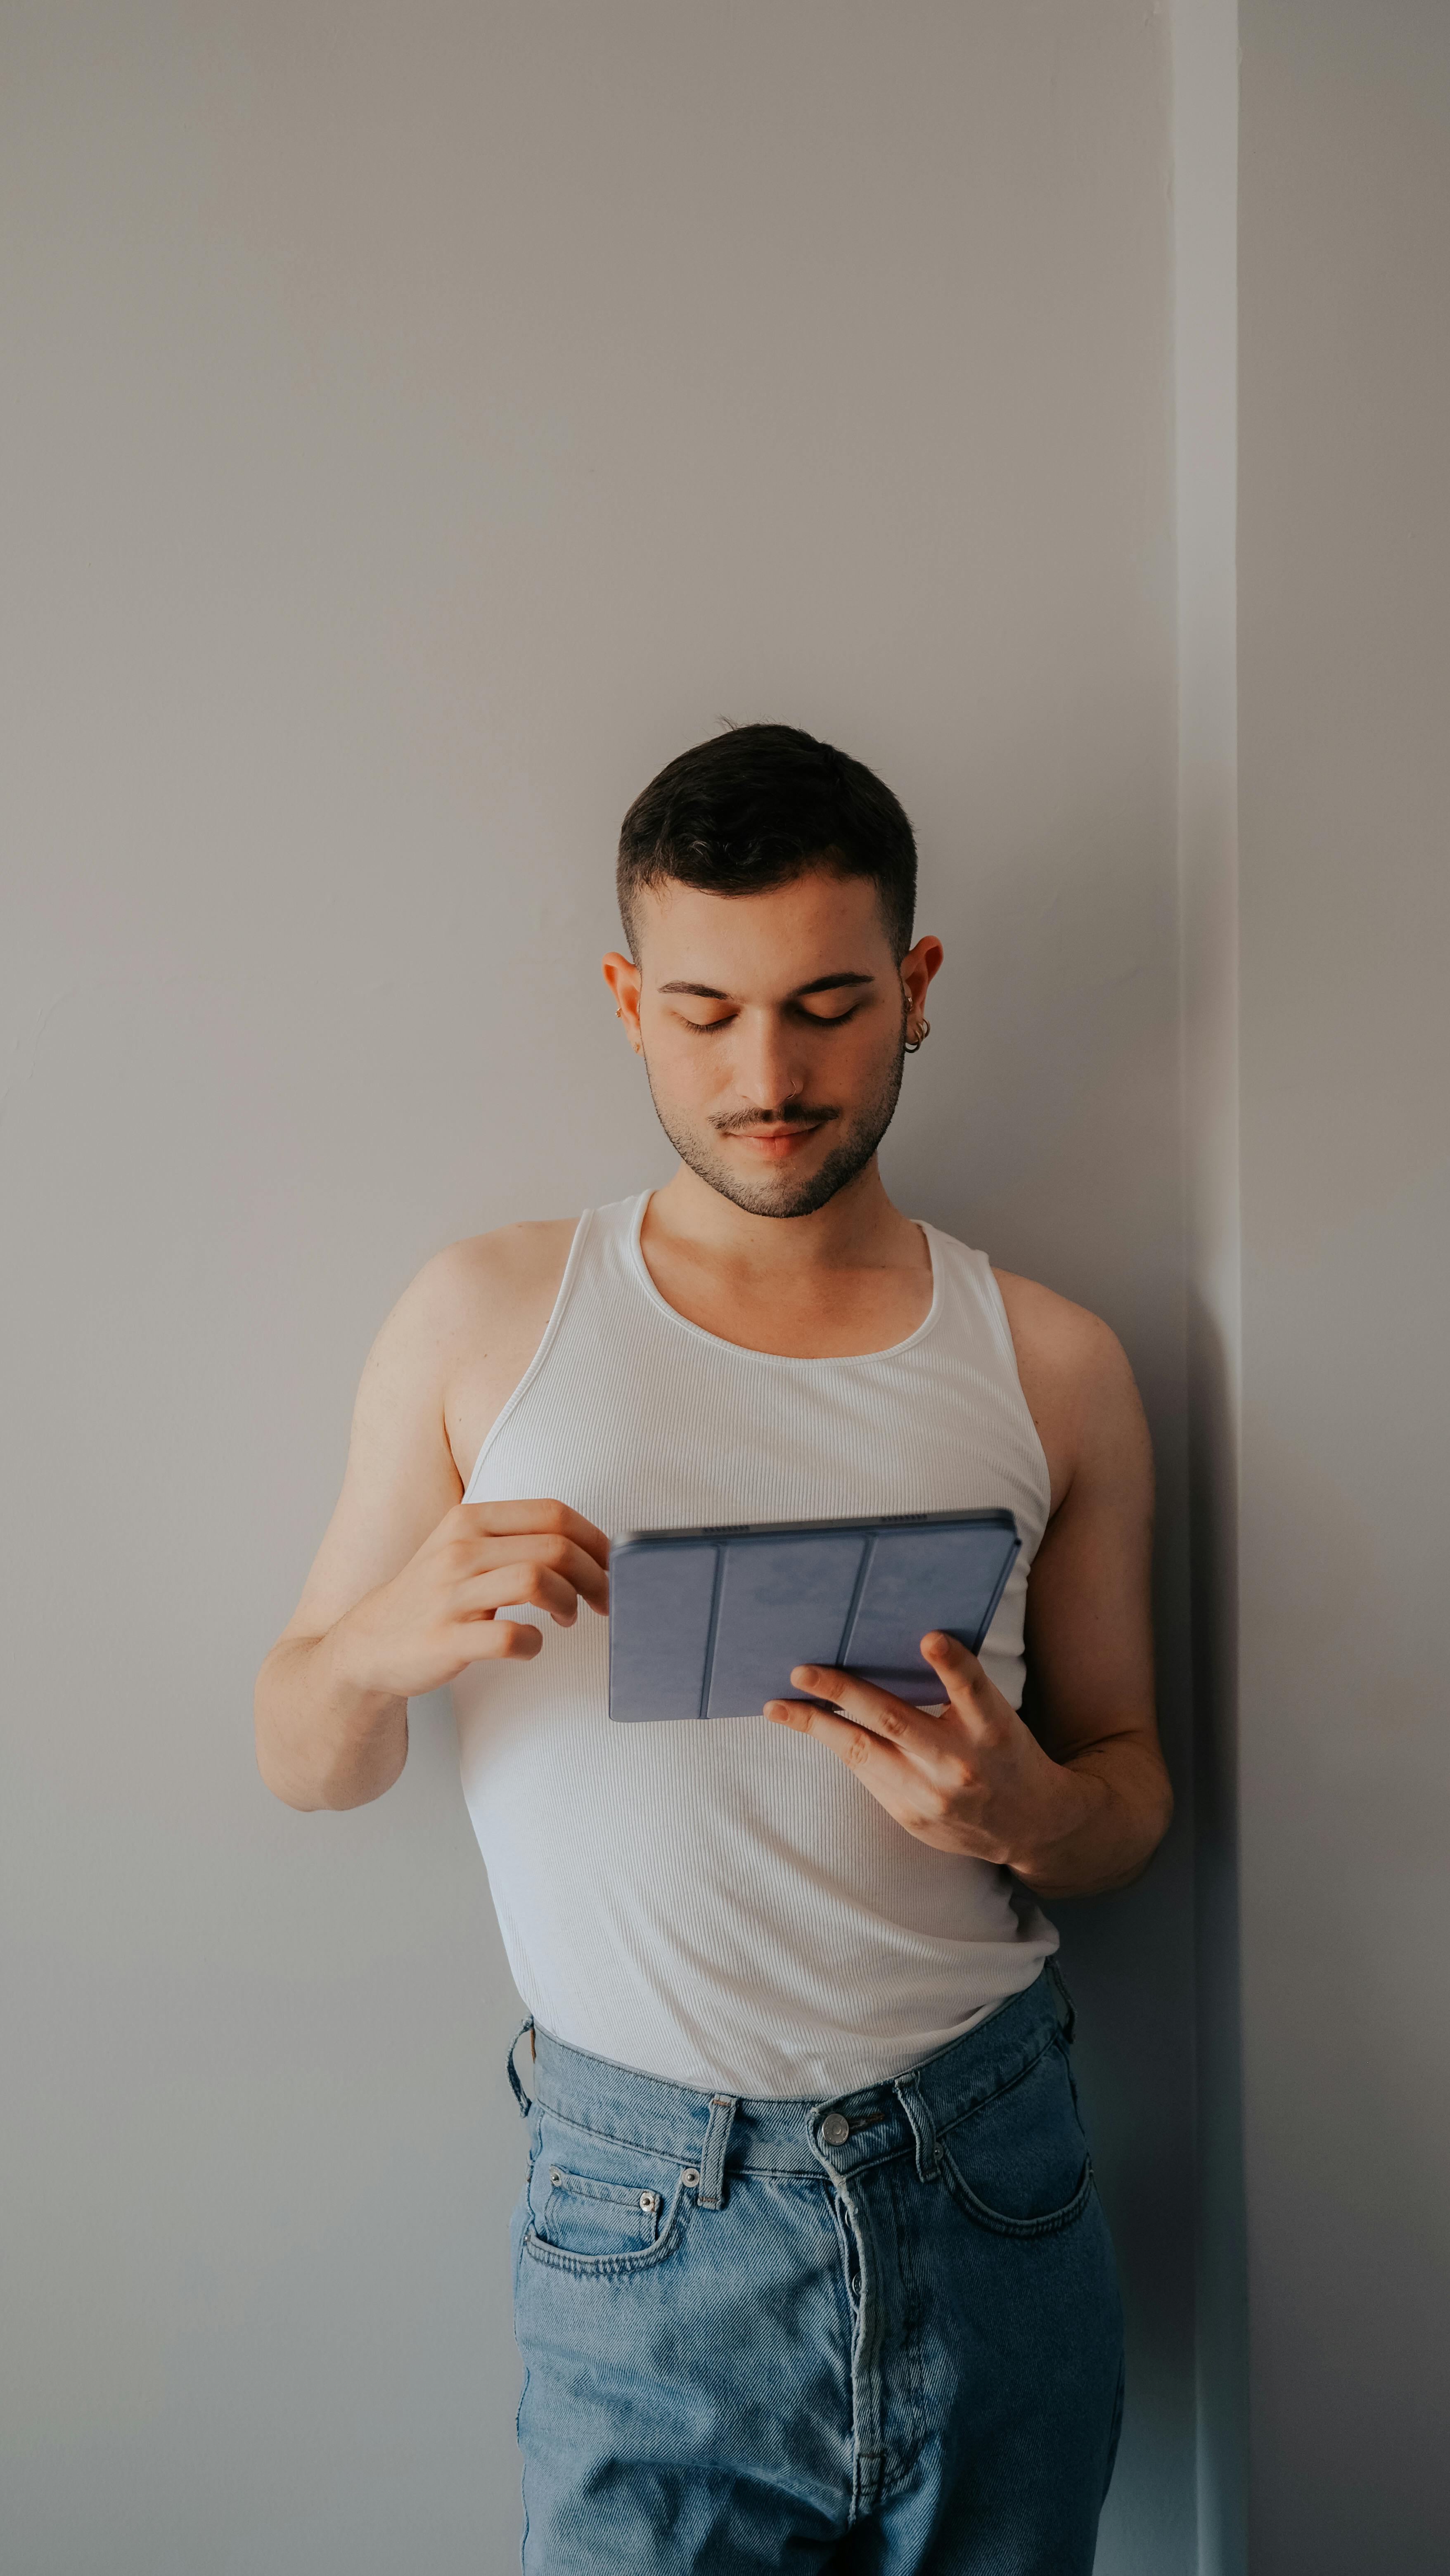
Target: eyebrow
x=822, y=984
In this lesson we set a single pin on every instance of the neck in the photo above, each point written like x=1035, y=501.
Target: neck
x=858, y=1229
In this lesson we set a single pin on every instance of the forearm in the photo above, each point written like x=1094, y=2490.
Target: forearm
x=321, y=1740
x=1102, y=1815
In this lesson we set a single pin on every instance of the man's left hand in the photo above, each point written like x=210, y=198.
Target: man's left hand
x=971, y=1779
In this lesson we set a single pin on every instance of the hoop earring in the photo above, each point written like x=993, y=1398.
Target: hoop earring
x=923, y=1032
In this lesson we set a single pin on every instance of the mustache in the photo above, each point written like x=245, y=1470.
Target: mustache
x=794, y=1113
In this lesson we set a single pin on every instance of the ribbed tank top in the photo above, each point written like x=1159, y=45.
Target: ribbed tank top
x=722, y=1903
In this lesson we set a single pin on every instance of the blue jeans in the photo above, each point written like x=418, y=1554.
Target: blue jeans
x=879, y=2332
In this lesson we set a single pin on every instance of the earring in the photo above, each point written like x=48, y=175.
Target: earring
x=921, y=1033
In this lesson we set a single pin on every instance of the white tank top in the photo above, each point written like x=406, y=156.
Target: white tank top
x=723, y=1903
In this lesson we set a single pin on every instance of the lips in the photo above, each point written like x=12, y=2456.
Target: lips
x=774, y=1142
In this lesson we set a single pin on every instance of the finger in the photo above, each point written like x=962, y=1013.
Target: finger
x=505, y=1586
x=554, y=1518
x=881, y=1768
x=969, y=1688
x=910, y=1728
x=560, y=1555
x=509, y=1641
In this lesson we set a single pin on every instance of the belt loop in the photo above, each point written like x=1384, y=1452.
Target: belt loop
x=711, y=2194
x=524, y=2099
x=907, y=2089
x=1068, y=2026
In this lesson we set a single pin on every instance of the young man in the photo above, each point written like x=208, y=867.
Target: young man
x=809, y=2269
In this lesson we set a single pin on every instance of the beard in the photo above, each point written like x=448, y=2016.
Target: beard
x=783, y=1194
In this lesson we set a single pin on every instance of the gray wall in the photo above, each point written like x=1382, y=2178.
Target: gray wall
x=423, y=422
x=1344, y=667
x=1205, y=177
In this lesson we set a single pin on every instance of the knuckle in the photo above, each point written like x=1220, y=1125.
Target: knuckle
x=858, y=1750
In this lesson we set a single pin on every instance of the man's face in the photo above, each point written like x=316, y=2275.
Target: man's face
x=772, y=1028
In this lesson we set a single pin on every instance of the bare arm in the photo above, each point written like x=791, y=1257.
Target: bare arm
x=405, y=1586
x=1080, y=1805
x=1090, y=1640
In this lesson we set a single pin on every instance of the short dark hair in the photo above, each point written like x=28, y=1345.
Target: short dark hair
x=758, y=805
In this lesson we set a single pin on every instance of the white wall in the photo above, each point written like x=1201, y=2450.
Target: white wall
x=1344, y=666
x=423, y=422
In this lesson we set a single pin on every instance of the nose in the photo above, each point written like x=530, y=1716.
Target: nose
x=768, y=1069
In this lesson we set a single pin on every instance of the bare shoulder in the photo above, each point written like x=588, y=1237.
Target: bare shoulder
x=1079, y=1387
x=444, y=1360
x=511, y=1261
x=473, y=1287
x=487, y=1298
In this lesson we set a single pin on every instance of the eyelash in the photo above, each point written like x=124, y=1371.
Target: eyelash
x=817, y=1019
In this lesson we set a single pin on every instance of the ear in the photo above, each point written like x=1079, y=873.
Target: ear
x=622, y=976
x=917, y=969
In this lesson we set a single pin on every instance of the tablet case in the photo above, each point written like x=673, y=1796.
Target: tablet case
x=708, y=1622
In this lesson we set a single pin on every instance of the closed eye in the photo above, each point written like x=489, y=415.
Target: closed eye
x=815, y=1019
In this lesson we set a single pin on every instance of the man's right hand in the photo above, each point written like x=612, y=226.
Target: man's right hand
x=439, y=1613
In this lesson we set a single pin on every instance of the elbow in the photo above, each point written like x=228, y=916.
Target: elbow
x=322, y=1780
x=1156, y=1822
x=283, y=1777
x=290, y=1792
x=273, y=1771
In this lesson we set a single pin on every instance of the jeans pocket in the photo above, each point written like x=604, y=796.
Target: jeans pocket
x=1019, y=2164
x=598, y=2206
x=580, y=2216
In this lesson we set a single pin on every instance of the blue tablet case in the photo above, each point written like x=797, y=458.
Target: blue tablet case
x=708, y=1622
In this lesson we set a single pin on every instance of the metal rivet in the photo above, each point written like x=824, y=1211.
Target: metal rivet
x=646, y=2200
x=835, y=2128
x=689, y=2174
x=555, y=2175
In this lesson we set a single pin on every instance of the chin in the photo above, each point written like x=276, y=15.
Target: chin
x=783, y=1194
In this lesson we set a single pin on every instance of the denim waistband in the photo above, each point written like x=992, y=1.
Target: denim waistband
x=728, y=2132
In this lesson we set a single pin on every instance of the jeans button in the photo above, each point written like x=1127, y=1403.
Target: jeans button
x=835, y=2128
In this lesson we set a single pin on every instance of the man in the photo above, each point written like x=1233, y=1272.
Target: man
x=809, y=2269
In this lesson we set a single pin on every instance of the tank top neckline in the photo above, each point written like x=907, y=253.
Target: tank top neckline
x=639, y=1269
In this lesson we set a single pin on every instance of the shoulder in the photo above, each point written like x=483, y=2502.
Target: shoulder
x=512, y=1260
x=483, y=1304
x=480, y=1291
x=1077, y=1382
x=1067, y=1345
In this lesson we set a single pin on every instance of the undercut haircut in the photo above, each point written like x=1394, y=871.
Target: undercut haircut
x=757, y=806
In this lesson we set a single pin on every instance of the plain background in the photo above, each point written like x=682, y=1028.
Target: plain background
x=420, y=424
x=1344, y=643
x=428, y=421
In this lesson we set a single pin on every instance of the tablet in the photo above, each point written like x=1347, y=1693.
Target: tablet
x=708, y=1622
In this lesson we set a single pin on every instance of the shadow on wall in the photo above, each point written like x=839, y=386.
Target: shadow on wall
x=1222, y=2231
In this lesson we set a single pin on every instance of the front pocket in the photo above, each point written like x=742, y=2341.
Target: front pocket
x=580, y=2216
x=1020, y=2164
x=599, y=2205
